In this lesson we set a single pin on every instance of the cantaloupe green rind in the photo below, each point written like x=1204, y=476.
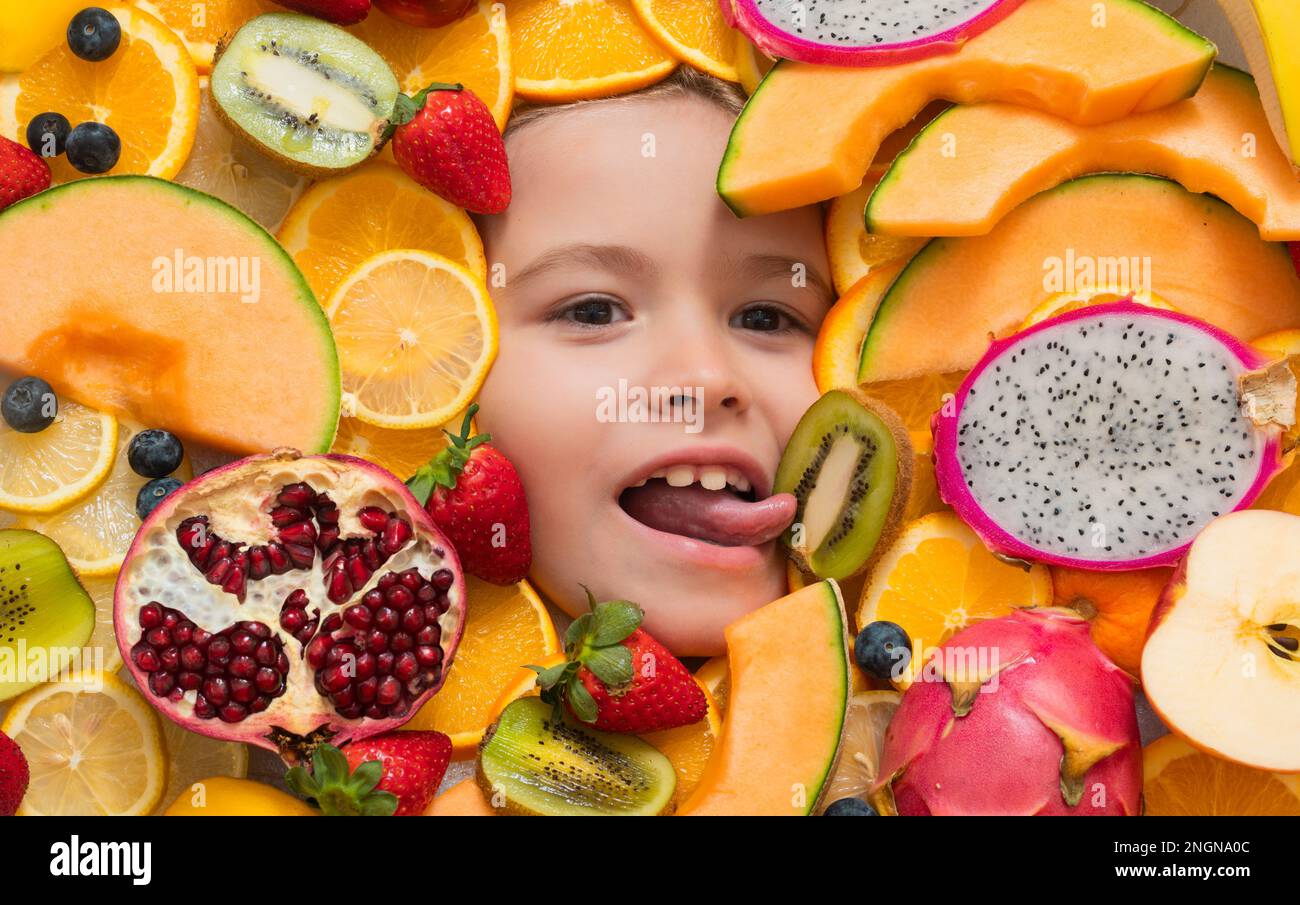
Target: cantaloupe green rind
x=810, y=132
x=37, y=258
x=1206, y=260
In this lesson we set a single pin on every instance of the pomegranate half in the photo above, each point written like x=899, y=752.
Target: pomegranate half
x=287, y=600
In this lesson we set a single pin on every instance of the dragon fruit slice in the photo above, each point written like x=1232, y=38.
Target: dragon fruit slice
x=863, y=33
x=1108, y=437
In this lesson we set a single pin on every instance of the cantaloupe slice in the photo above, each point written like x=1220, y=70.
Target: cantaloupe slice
x=1085, y=61
x=465, y=799
x=1269, y=33
x=975, y=164
x=229, y=349
x=789, y=687
x=1098, y=232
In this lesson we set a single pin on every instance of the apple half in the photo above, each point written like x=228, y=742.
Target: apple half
x=1220, y=665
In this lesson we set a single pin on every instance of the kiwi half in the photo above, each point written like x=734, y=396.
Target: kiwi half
x=556, y=768
x=304, y=92
x=46, y=617
x=849, y=466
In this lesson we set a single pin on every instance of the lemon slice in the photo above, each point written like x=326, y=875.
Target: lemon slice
x=192, y=757
x=937, y=578
x=46, y=471
x=96, y=531
x=416, y=335
x=865, y=723
x=93, y=745
x=103, y=640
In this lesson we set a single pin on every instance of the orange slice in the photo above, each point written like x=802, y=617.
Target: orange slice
x=937, y=578
x=715, y=676
x=854, y=251
x=28, y=29
x=690, y=747
x=694, y=32
x=202, y=25
x=1065, y=302
x=474, y=51
x=839, y=340
x=1180, y=781
x=915, y=400
x=416, y=334
x=567, y=50
x=401, y=452
x=865, y=722
x=147, y=92
x=507, y=628
x=339, y=222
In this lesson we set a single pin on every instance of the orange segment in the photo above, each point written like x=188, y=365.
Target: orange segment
x=474, y=51
x=690, y=747
x=507, y=627
x=716, y=677
x=568, y=50
x=694, y=32
x=1180, y=781
x=401, y=452
x=853, y=251
x=938, y=578
x=839, y=339
x=340, y=222
x=916, y=400
x=202, y=25
x=147, y=91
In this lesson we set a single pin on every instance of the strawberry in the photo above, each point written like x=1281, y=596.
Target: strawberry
x=475, y=496
x=13, y=776
x=617, y=678
x=396, y=773
x=340, y=12
x=22, y=173
x=446, y=139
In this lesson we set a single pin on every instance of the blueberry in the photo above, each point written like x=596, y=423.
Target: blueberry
x=93, y=148
x=883, y=650
x=29, y=405
x=47, y=134
x=849, y=807
x=94, y=33
x=155, y=453
x=152, y=494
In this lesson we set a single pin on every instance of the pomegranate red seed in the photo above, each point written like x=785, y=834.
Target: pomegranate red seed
x=333, y=679
x=371, y=555
x=428, y=655
x=191, y=657
x=327, y=538
x=283, y=516
x=426, y=594
x=158, y=637
x=333, y=622
x=374, y=598
x=399, y=597
x=233, y=713
x=357, y=616
x=387, y=581
x=201, y=556
x=430, y=634
x=340, y=588
x=413, y=620
x=160, y=683
x=365, y=665
x=301, y=555
x=183, y=632
x=442, y=579
x=242, y=690
x=260, y=703
x=145, y=658
x=390, y=690
x=298, y=533
x=150, y=615
x=358, y=571
x=386, y=619
x=411, y=580
x=189, y=680
x=373, y=518
x=367, y=689
x=170, y=658
x=406, y=667
x=292, y=619
x=267, y=680
x=218, y=649
x=266, y=654
x=317, y=650
x=299, y=495
x=244, y=667
x=202, y=709
x=259, y=564
x=234, y=583
x=280, y=562
x=396, y=534
x=400, y=642
x=217, y=574
x=243, y=641
x=384, y=662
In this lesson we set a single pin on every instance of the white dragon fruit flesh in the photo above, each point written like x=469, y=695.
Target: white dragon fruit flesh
x=1108, y=437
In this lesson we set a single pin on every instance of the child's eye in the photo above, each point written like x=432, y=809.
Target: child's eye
x=765, y=319
x=590, y=311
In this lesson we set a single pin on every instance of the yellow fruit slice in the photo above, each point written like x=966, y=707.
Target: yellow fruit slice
x=751, y=64
x=916, y=400
x=694, y=32
x=567, y=50
x=103, y=640
x=416, y=334
x=226, y=166
x=1065, y=302
x=853, y=251
x=94, y=747
x=147, y=92
x=46, y=471
x=223, y=796
x=28, y=30
x=937, y=578
x=474, y=51
x=715, y=676
x=401, y=452
x=1180, y=781
x=192, y=757
x=690, y=747
x=340, y=222
x=201, y=25
x=865, y=722
x=506, y=628
x=96, y=531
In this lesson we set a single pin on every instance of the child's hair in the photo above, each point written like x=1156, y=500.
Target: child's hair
x=684, y=81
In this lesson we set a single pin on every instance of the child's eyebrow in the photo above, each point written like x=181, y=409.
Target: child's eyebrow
x=617, y=258
x=768, y=267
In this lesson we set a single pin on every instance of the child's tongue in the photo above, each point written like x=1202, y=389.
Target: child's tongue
x=716, y=516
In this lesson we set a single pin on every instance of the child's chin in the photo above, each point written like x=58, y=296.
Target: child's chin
x=690, y=619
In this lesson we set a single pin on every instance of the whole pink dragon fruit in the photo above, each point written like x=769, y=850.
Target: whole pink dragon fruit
x=1021, y=715
x=870, y=33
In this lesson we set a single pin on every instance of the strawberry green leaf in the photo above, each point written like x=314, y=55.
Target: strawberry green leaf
x=549, y=677
x=580, y=700
x=613, y=621
x=577, y=630
x=612, y=665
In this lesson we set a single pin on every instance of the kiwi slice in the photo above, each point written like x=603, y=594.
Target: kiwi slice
x=46, y=617
x=304, y=92
x=549, y=767
x=849, y=466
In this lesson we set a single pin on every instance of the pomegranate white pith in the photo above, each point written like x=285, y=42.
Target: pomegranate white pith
x=322, y=571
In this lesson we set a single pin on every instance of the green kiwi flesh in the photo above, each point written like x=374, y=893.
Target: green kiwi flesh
x=532, y=764
x=849, y=466
x=304, y=92
x=46, y=617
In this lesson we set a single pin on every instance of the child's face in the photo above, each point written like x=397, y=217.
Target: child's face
x=625, y=274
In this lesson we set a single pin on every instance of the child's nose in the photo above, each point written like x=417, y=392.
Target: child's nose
x=704, y=372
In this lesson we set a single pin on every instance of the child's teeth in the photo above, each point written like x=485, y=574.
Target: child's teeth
x=713, y=477
x=658, y=474
x=741, y=483
x=640, y=483
x=680, y=476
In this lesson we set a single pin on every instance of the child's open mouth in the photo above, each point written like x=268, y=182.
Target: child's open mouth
x=716, y=504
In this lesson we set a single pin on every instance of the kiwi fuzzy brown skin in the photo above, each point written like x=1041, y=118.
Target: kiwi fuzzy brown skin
x=294, y=166
x=905, y=457
x=511, y=808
